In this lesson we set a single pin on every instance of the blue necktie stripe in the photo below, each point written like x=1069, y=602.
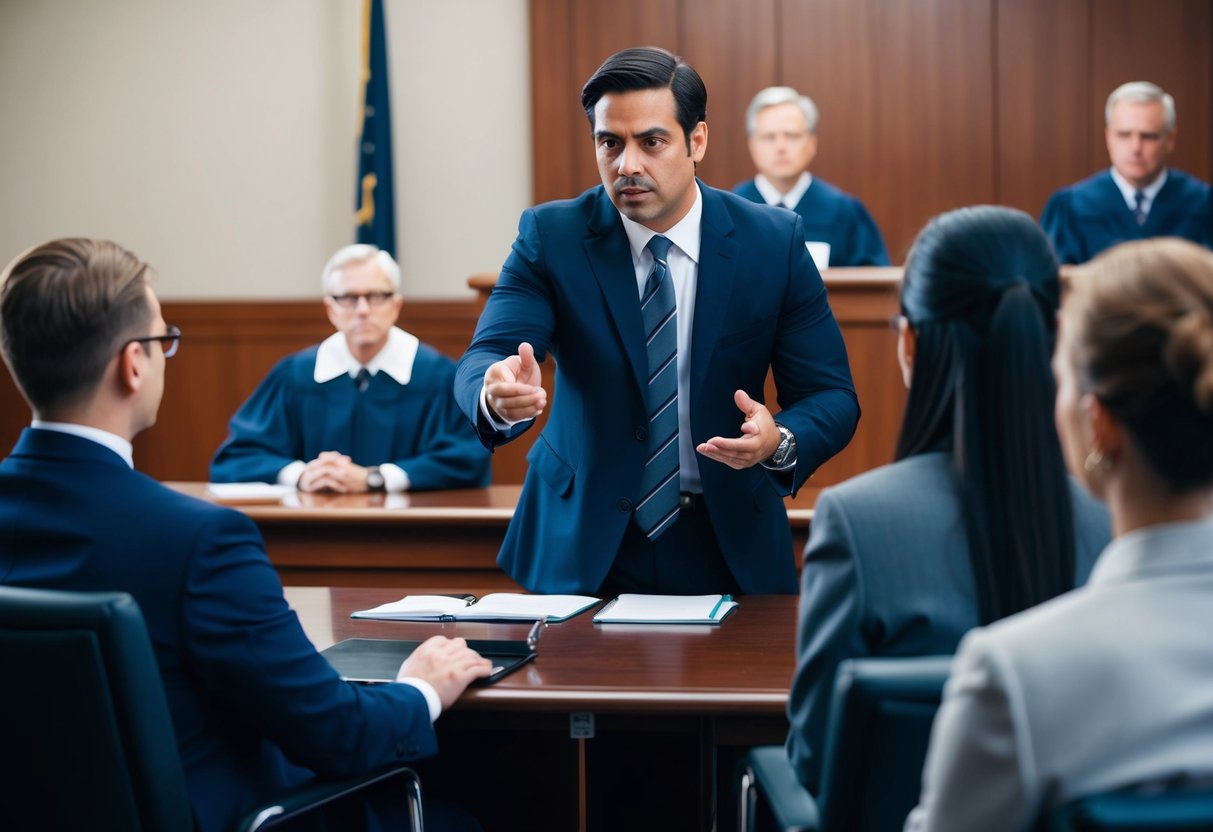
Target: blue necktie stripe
x=657, y=506
x=1139, y=212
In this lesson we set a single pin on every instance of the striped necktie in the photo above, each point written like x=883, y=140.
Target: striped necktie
x=1139, y=211
x=657, y=507
x=363, y=379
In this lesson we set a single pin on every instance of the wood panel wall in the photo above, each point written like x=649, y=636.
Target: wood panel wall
x=227, y=348
x=925, y=105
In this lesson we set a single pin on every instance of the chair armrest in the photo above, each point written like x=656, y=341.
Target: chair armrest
x=316, y=793
x=767, y=776
x=1178, y=810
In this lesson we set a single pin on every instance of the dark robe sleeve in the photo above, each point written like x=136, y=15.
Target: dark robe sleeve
x=263, y=436
x=449, y=454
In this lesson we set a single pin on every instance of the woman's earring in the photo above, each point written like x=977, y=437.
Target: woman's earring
x=1095, y=461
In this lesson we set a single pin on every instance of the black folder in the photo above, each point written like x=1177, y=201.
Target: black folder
x=378, y=659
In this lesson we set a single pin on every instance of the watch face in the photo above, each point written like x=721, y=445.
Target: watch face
x=374, y=479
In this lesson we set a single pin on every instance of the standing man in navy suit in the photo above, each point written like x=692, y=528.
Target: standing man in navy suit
x=254, y=706
x=838, y=230
x=1139, y=196
x=638, y=483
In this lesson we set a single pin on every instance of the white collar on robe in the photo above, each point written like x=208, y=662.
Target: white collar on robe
x=789, y=200
x=334, y=358
x=1129, y=191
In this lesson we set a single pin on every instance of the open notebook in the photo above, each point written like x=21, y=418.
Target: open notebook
x=498, y=606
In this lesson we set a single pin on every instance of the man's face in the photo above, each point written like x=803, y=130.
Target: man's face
x=1138, y=141
x=781, y=145
x=642, y=156
x=368, y=320
x=152, y=390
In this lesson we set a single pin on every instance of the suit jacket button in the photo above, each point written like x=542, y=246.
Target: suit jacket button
x=624, y=505
x=641, y=434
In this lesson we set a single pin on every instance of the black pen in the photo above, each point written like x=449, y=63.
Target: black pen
x=532, y=638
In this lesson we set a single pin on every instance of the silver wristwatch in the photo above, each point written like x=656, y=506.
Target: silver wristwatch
x=374, y=479
x=785, y=452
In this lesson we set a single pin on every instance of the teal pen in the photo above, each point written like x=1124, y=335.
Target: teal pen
x=716, y=609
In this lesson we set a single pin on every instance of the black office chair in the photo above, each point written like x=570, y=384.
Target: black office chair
x=1178, y=809
x=880, y=724
x=88, y=741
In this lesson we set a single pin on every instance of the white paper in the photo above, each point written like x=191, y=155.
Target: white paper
x=673, y=609
x=248, y=490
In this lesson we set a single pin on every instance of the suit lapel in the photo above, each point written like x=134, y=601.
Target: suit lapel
x=610, y=257
x=718, y=260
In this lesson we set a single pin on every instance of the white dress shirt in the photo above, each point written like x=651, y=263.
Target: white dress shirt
x=789, y=200
x=333, y=359
x=683, y=261
x=1129, y=191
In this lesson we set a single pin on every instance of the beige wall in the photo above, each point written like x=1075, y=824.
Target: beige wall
x=216, y=139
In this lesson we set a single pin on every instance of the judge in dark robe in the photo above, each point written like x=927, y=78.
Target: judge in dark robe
x=838, y=230
x=368, y=409
x=1138, y=196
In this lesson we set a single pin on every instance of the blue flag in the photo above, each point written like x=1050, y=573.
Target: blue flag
x=375, y=214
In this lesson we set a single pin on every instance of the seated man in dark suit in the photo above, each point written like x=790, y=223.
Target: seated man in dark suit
x=838, y=230
x=254, y=706
x=368, y=409
x=1139, y=196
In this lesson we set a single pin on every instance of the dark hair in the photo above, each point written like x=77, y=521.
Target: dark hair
x=650, y=68
x=66, y=307
x=981, y=293
x=1139, y=330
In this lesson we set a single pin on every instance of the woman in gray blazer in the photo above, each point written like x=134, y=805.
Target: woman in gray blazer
x=976, y=519
x=1112, y=684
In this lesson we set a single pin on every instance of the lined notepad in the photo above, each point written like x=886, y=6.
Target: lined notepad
x=666, y=609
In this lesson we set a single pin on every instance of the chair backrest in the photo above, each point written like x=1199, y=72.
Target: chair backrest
x=1181, y=809
x=88, y=740
x=880, y=724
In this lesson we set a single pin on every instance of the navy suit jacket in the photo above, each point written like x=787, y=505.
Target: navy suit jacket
x=1089, y=216
x=569, y=288
x=833, y=216
x=254, y=706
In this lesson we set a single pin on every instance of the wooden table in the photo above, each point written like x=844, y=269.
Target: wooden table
x=671, y=707
x=422, y=539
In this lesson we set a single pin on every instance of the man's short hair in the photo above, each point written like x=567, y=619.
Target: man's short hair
x=1143, y=92
x=773, y=97
x=66, y=308
x=650, y=68
x=358, y=253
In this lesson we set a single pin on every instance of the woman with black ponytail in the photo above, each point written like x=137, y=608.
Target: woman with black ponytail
x=977, y=519
x=1109, y=686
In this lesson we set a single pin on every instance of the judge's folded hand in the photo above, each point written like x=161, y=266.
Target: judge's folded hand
x=448, y=664
x=333, y=471
x=513, y=386
x=759, y=437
